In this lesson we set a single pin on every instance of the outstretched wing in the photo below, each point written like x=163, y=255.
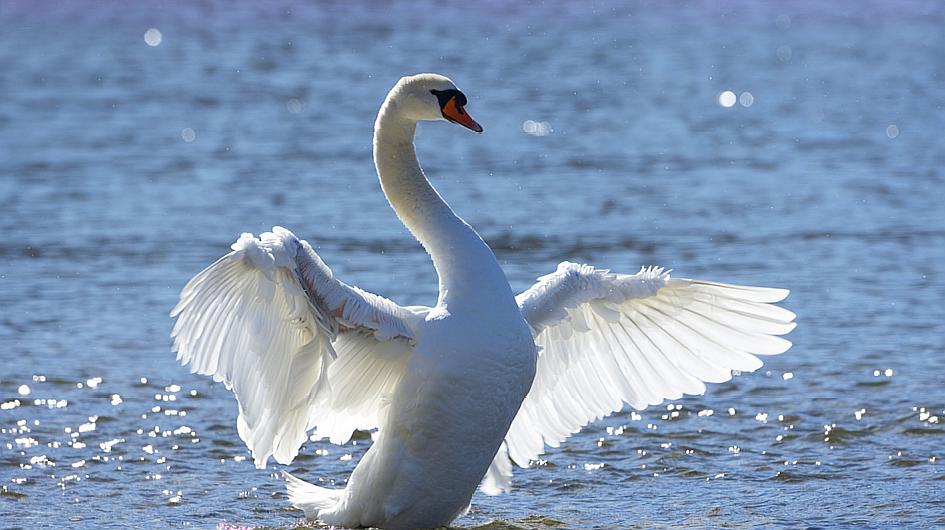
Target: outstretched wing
x=299, y=348
x=609, y=339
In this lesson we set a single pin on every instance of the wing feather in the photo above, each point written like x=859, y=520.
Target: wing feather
x=613, y=339
x=269, y=320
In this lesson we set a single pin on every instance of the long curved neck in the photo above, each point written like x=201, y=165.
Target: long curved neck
x=461, y=258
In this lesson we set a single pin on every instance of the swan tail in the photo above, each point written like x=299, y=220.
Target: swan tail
x=308, y=497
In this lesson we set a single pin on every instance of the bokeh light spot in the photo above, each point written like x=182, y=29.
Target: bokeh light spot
x=892, y=131
x=188, y=135
x=727, y=98
x=746, y=99
x=537, y=128
x=153, y=37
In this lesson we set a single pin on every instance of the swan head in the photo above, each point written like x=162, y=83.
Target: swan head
x=431, y=97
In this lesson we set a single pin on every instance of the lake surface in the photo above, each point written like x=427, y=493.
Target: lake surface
x=130, y=159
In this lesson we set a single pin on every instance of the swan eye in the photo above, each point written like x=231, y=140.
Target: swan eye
x=452, y=102
x=444, y=97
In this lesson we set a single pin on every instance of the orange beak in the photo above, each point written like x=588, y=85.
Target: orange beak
x=457, y=114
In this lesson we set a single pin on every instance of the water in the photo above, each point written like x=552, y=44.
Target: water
x=828, y=184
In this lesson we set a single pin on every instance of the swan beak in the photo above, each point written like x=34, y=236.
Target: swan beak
x=457, y=114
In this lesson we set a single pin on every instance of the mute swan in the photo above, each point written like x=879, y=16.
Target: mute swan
x=459, y=391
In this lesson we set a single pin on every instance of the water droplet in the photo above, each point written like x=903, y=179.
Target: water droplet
x=746, y=99
x=188, y=135
x=892, y=131
x=727, y=99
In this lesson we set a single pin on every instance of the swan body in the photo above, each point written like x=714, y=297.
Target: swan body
x=459, y=391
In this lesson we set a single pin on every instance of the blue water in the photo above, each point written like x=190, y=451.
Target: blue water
x=829, y=183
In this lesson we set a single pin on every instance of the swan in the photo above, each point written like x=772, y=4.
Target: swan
x=456, y=392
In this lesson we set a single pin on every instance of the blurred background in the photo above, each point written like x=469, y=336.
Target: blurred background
x=795, y=145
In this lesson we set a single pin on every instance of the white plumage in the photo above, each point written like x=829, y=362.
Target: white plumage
x=249, y=321
x=609, y=339
x=459, y=391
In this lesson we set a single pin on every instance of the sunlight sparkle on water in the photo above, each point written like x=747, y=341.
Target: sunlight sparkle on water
x=153, y=37
x=294, y=106
x=537, y=128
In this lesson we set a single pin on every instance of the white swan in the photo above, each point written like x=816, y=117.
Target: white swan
x=459, y=391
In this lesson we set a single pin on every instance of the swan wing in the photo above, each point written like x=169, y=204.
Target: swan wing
x=299, y=348
x=610, y=339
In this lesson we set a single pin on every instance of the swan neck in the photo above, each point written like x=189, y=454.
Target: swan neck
x=410, y=194
x=456, y=249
